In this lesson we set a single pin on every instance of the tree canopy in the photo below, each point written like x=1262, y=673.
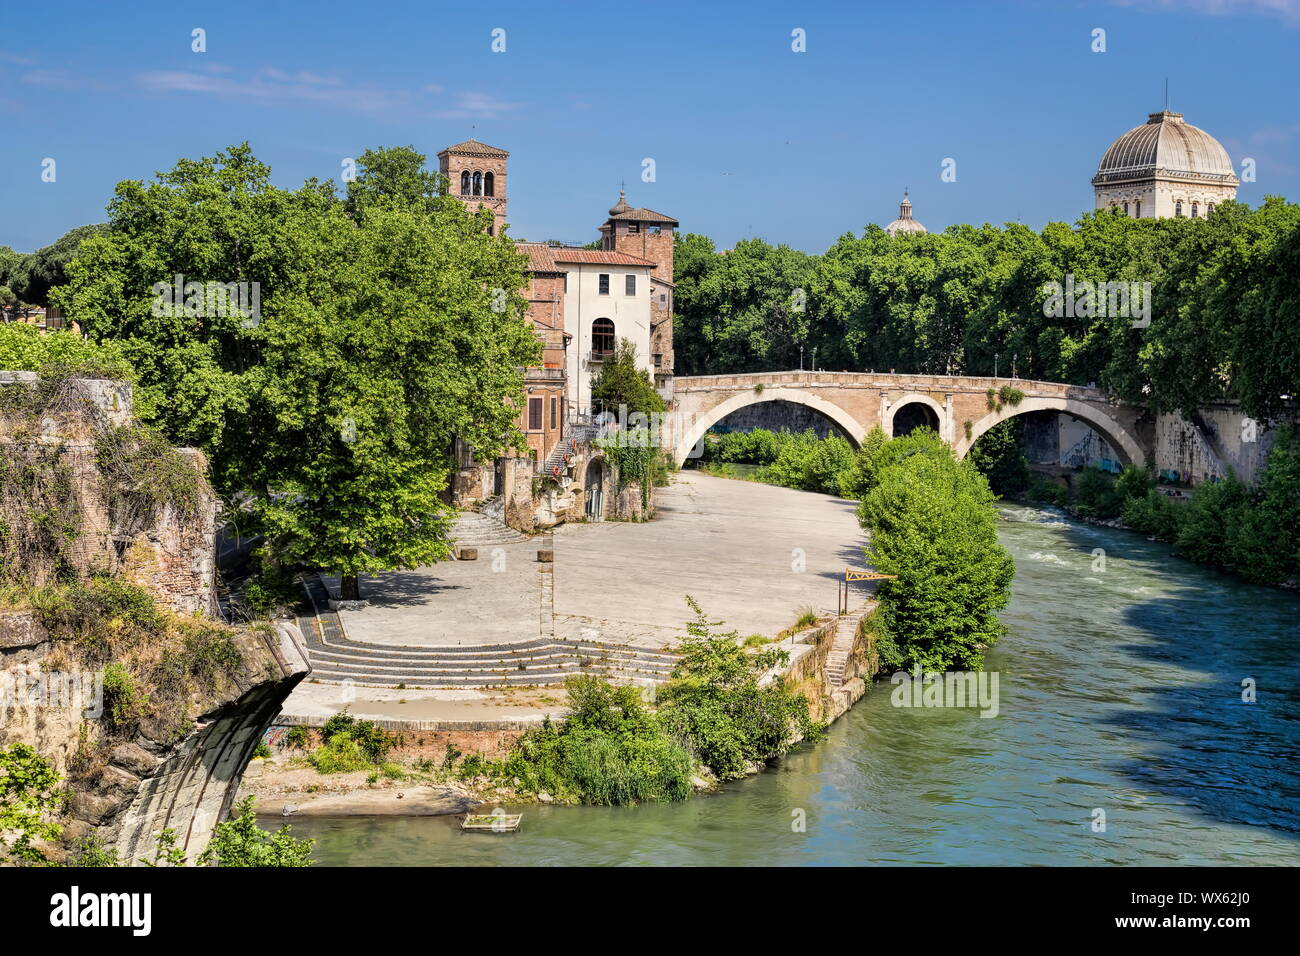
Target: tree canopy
x=970, y=300
x=385, y=325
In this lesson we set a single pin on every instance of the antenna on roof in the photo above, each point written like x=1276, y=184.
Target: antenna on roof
x=1166, y=94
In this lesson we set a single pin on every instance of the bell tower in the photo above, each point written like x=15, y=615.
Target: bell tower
x=476, y=175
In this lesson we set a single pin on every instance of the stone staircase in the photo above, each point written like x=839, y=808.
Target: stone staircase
x=536, y=662
x=475, y=530
x=575, y=433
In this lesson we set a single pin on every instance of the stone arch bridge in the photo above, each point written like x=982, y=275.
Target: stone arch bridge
x=957, y=407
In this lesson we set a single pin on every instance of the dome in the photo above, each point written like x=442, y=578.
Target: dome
x=904, y=222
x=621, y=206
x=1166, y=145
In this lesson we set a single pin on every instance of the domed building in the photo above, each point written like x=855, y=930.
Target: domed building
x=1165, y=167
x=904, y=222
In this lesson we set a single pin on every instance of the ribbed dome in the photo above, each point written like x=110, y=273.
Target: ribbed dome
x=1166, y=143
x=904, y=222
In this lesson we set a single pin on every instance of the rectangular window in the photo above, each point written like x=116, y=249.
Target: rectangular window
x=534, y=414
x=566, y=283
x=630, y=285
x=604, y=284
x=633, y=227
x=555, y=412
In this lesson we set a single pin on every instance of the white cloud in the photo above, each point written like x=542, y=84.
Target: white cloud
x=271, y=85
x=1286, y=10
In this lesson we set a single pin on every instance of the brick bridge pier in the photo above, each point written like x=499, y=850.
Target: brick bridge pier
x=957, y=407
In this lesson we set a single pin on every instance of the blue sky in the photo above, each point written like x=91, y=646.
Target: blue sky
x=748, y=137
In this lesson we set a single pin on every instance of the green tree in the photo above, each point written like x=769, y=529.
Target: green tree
x=623, y=383
x=932, y=524
x=743, y=310
x=997, y=456
x=388, y=325
x=29, y=800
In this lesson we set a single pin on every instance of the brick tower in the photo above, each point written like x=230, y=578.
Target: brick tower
x=476, y=174
x=648, y=235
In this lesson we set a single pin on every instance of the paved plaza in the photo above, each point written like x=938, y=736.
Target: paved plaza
x=752, y=554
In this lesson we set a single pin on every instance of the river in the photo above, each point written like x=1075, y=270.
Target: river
x=1120, y=691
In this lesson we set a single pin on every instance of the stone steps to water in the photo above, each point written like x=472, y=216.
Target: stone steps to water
x=837, y=658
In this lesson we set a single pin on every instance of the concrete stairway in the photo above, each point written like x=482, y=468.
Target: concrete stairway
x=483, y=665
x=837, y=659
x=474, y=530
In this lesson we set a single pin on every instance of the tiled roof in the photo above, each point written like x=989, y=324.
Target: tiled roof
x=539, y=256
x=474, y=146
x=547, y=258
x=597, y=257
x=644, y=215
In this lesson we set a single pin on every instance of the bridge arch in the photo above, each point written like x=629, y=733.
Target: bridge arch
x=1106, y=426
x=693, y=432
x=916, y=398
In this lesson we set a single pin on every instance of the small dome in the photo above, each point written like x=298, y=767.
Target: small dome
x=619, y=207
x=904, y=222
x=1167, y=144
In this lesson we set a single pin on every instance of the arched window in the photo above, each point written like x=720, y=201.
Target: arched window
x=478, y=184
x=1196, y=209
x=489, y=184
x=1209, y=209
x=464, y=183
x=1178, y=208
x=1138, y=207
x=1126, y=207
x=602, y=337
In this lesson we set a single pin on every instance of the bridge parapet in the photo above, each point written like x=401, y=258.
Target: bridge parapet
x=884, y=381
x=957, y=406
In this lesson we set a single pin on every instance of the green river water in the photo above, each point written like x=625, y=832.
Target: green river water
x=1120, y=690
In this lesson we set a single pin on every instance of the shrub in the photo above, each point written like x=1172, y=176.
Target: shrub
x=29, y=799
x=350, y=745
x=1096, y=495
x=610, y=750
x=715, y=705
x=239, y=841
x=998, y=457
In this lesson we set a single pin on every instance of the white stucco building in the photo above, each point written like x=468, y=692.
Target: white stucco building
x=1165, y=167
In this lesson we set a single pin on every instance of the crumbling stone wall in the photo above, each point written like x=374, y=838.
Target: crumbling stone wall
x=171, y=556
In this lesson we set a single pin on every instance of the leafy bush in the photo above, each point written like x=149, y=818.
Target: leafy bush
x=239, y=841
x=715, y=704
x=29, y=800
x=609, y=750
x=1155, y=514
x=809, y=463
x=65, y=353
x=350, y=745
x=1096, y=495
